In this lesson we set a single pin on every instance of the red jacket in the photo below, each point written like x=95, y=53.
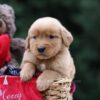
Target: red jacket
x=4, y=49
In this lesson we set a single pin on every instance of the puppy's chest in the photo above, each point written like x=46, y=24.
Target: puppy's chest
x=45, y=65
x=50, y=65
x=41, y=67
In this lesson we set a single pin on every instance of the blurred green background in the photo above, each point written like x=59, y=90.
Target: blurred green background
x=82, y=18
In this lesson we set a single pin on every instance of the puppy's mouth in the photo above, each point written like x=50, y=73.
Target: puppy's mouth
x=42, y=56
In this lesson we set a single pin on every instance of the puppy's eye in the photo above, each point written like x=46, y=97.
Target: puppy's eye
x=51, y=37
x=34, y=37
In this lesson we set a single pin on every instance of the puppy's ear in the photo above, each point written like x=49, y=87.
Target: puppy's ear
x=27, y=43
x=66, y=37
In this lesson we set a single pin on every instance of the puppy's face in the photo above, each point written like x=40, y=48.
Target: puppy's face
x=45, y=38
x=45, y=43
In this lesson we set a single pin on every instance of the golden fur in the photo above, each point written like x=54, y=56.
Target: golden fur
x=49, y=33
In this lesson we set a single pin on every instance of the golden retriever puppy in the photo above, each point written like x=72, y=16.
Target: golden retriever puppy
x=47, y=44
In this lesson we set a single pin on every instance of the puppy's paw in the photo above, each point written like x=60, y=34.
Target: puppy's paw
x=43, y=84
x=25, y=75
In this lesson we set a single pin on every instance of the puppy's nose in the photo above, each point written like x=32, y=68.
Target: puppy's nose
x=41, y=49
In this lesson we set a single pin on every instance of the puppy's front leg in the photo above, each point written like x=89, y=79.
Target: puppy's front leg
x=27, y=72
x=46, y=78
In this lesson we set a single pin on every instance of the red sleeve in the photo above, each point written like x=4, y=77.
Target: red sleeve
x=4, y=47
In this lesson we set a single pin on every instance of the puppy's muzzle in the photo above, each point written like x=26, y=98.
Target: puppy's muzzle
x=41, y=49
